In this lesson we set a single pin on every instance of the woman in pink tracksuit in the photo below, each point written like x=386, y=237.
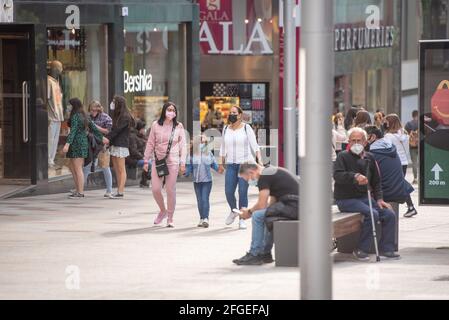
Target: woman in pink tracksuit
x=158, y=141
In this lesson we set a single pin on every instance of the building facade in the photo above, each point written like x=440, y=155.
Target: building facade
x=144, y=50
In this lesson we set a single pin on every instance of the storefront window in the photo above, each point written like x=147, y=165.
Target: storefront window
x=155, y=69
x=82, y=54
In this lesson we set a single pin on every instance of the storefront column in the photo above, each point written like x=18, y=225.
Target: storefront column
x=193, y=72
x=116, y=56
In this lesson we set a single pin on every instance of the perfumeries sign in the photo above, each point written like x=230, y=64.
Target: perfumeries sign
x=355, y=38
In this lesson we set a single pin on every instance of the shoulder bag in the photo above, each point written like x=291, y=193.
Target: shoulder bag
x=161, y=165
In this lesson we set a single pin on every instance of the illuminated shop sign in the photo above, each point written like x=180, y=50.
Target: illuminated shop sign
x=347, y=39
x=222, y=32
x=141, y=82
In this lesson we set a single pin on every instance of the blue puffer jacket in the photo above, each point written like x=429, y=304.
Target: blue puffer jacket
x=395, y=187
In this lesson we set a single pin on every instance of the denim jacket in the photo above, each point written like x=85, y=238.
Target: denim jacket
x=199, y=167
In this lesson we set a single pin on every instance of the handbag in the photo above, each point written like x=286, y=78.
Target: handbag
x=161, y=165
x=104, y=159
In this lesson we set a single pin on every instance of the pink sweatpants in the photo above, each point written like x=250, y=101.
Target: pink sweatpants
x=170, y=187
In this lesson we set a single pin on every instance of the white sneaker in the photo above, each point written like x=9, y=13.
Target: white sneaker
x=230, y=219
x=200, y=224
x=242, y=224
x=108, y=195
x=205, y=223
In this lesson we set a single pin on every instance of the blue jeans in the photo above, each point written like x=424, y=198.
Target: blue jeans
x=261, y=239
x=386, y=217
x=140, y=163
x=232, y=180
x=202, y=191
x=106, y=172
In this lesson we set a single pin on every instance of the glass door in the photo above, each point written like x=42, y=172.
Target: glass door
x=15, y=74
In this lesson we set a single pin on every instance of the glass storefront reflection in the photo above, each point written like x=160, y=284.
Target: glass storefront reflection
x=82, y=57
x=153, y=72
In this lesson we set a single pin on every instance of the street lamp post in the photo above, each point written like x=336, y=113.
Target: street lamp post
x=290, y=119
x=316, y=99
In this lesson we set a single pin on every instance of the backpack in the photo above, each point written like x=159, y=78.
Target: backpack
x=414, y=139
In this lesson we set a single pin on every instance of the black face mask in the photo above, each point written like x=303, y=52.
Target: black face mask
x=232, y=118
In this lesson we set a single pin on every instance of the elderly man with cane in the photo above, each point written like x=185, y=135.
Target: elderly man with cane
x=356, y=176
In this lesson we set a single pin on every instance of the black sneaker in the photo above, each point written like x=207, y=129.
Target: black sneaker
x=76, y=195
x=390, y=255
x=360, y=255
x=410, y=213
x=267, y=258
x=249, y=260
x=117, y=196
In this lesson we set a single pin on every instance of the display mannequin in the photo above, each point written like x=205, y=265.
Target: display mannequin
x=55, y=110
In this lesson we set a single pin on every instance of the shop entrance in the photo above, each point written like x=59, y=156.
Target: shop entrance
x=15, y=75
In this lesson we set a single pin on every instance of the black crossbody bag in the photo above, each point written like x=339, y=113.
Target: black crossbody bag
x=161, y=165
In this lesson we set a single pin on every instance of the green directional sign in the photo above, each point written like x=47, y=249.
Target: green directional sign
x=436, y=173
x=434, y=122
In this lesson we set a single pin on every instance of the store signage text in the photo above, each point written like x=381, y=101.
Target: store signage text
x=138, y=83
x=73, y=20
x=6, y=11
x=436, y=171
x=347, y=39
x=257, y=36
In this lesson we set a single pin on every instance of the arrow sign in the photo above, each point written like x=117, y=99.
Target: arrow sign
x=437, y=169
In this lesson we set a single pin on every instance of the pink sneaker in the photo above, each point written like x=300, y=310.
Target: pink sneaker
x=170, y=221
x=160, y=217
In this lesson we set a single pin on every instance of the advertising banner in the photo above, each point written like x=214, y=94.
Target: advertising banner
x=434, y=122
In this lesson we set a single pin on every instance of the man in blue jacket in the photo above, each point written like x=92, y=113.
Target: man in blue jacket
x=394, y=186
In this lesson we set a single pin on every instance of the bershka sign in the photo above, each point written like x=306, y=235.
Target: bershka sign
x=137, y=83
x=347, y=39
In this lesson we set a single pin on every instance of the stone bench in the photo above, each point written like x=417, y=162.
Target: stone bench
x=346, y=231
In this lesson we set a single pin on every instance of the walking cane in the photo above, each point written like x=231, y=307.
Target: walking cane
x=372, y=214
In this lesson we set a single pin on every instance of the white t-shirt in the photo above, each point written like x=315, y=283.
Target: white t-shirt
x=400, y=141
x=239, y=146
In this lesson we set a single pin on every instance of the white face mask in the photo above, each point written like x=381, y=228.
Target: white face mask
x=357, y=149
x=112, y=106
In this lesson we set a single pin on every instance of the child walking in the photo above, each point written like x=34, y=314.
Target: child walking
x=198, y=165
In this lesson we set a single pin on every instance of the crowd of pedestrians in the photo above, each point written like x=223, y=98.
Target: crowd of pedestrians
x=368, y=154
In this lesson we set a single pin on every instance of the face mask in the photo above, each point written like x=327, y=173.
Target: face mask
x=170, y=115
x=232, y=118
x=253, y=182
x=357, y=148
x=112, y=106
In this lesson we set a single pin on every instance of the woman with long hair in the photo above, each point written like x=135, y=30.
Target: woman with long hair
x=350, y=116
x=362, y=119
x=167, y=141
x=395, y=134
x=239, y=145
x=379, y=119
x=77, y=147
x=339, y=132
x=122, y=121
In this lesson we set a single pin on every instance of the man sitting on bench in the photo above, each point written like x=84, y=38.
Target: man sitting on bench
x=283, y=188
x=355, y=171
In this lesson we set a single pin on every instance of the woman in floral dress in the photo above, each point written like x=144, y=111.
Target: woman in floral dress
x=77, y=147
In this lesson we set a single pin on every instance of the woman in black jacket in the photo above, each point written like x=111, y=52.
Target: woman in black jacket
x=122, y=121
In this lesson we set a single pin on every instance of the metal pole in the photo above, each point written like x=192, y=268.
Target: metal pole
x=316, y=99
x=290, y=86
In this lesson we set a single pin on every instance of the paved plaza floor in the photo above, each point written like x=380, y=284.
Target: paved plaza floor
x=55, y=248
